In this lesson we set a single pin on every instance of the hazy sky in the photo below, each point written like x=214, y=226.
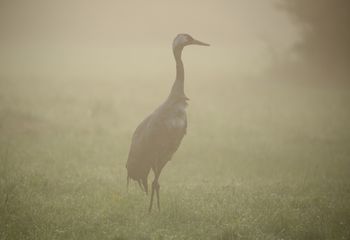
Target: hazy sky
x=242, y=33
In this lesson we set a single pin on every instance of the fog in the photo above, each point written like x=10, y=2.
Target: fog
x=266, y=153
x=110, y=36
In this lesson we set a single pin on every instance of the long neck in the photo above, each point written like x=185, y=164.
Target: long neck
x=177, y=90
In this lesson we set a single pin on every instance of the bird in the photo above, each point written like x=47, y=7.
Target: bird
x=159, y=135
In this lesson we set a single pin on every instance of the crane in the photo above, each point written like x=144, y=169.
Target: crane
x=159, y=135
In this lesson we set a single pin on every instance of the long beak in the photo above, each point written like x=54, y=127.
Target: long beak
x=196, y=42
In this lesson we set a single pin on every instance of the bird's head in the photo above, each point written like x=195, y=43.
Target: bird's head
x=184, y=39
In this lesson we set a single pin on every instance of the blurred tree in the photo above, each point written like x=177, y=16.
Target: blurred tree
x=325, y=44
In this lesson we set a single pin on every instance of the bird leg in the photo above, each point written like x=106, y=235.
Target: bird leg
x=157, y=191
x=127, y=183
x=155, y=187
x=145, y=185
x=152, y=194
x=140, y=185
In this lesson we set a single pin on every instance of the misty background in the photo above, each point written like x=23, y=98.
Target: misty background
x=266, y=154
x=275, y=68
x=114, y=38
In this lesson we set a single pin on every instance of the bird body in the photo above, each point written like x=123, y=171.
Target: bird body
x=156, y=139
x=159, y=135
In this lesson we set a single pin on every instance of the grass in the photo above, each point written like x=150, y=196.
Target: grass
x=258, y=162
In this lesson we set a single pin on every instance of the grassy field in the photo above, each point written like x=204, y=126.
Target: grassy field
x=261, y=160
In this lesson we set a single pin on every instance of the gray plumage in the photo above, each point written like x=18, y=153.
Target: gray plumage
x=159, y=135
